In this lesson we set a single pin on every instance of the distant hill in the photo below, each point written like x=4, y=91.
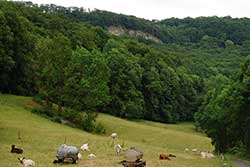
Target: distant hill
x=172, y=30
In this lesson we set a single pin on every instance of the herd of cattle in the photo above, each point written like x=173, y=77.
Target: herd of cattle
x=72, y=152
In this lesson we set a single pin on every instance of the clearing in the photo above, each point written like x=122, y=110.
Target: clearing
x=40, y=139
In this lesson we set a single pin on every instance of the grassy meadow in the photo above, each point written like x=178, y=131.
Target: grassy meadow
x=40, y=139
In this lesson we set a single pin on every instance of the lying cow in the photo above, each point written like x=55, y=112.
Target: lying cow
x=16, y=150
x=164, y=157
x=65, y=152
x=207, y=155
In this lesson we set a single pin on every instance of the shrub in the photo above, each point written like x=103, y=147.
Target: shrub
x=44, y=111
x=38, y=99
x=240, y=150
x=71, y=115
x=99, y=129
x=56, y=119
x=82, y=120
x=87, y=122
x=35, y=110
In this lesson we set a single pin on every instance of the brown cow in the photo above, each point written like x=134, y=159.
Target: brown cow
x=164, y=157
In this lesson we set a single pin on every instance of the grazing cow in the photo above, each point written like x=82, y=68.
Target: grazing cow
x=113, y=135
x=164, y=157
x=207, y=155
x=79, y=156
x=16, y=150
x=210, y=155
x=26, y=162
x=194, y=150
x=118, y=149
x=85, y=147
x=203, y=154
x=92, y=156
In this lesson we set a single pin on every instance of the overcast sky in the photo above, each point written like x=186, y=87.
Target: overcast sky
x=161, y=9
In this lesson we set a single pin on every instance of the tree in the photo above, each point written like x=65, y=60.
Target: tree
x=224, y=115
x=53, y=57
x=125, y=82
x=6, y=54
x=86, y=86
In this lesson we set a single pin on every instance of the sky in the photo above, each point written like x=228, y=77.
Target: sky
x=162, y=9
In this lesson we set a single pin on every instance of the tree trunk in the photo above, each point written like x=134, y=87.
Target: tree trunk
x=47, y=103
x=59, y=109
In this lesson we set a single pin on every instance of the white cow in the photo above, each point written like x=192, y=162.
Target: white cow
x=79, y=156
x=85, y=147
x=207, y=155
x=92, y=156
x=26, y=162
x=194, y=149
x=118, y=149
x=113, y=135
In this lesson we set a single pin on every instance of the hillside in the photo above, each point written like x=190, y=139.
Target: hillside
x=199, y=71
x=171, y=30
x=40, y=138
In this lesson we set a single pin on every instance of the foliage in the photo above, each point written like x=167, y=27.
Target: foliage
x=54, y=54
x=62, y=56
x=87, y=80
x=224, y=114
x=218, y=31
x=82, y=120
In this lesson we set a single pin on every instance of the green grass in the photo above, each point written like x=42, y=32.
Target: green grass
x=40, y=139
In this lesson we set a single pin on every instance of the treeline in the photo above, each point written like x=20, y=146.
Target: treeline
x=173, y=30
x=82, y=67
x=102, y=18
x=220, y=29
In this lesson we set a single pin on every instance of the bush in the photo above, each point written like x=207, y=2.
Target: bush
x=56, y=119
x=44, y=111
x=35, y=110
x=38, y=99
x=87, y=122
x=99, y=129
x=82, y=120
x=240, y=150
x=72, y=116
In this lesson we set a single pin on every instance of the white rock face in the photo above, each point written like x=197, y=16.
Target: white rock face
x=121, y=31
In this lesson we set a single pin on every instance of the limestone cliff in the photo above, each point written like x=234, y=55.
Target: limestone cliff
x=121, y=31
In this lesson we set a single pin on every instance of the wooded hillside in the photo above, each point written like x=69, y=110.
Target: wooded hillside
x=65, y=56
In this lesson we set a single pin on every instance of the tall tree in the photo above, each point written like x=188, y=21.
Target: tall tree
x=54, y=56
x=87, y=80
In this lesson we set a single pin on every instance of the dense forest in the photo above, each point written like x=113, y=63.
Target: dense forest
x=172, y=30
x=65, y=56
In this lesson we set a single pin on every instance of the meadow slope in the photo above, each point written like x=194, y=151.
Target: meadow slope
x=40, y=139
